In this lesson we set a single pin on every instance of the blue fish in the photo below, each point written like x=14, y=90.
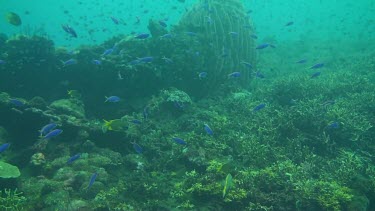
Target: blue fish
x=112, y=99
x=247, y=64
x=162, y=23
x=264, y=45
x=259, y=107
x=333, y=125
x=137, y=148
x=136, y=121
x=92, y=180
x=191, y=33
x=53, y=133
x=3, y=147
x=108, y=52
x=141, y=36
x=254, y=36
x=47, y=128
x=208, y=130
x=2, y=61
x=314, y=75
x=74, y=158
x=16, y=102
x=302, y=61
x=289, y=23
x=234, y=75
x=258, y=74
x=166, y=36
x=146, y=59
x=202, y=75
x=96, y=62
x=68, y=29
x=316, y=66
x=69, y=62
x=234, y=34
x=179, y=141
x=134, y=62
x=115, y=20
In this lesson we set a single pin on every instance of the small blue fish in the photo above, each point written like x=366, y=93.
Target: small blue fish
x=47, y=128
x=166, y=36
x=317, y=66
x=167, y=60
x=141, y=36
x=302, y=61
x=108, y=52
x=162, y=23
x=115, y=20
x=92, y=180
x=264, y=45
x=314, y=75
x=53, y=133
x=2, y=61
x=333, y=125
x=258, y=74
x=69, y=62
x=96, y=62
x=253, y=36
x=234, y=34
x=112, y=99
x=146, y=59
x=179, y=141
x=136, y=121
x=73, y=158
x=208, y=130
x=202, y=75
x=234, y=75
x=16, y=102
x=134, y=62
x=289, y=23
x=137, y=148
x=259, y=107
x=191, y=33
x=247, y=64
x=3, y=147
x=68, y=29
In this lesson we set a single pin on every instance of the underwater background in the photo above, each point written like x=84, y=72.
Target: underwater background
x=187, y=105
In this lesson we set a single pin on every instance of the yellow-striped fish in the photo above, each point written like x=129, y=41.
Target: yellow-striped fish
x=227, y=184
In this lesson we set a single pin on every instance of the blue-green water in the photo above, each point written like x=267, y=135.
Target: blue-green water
x=187, y=105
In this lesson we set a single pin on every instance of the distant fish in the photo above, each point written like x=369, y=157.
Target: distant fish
x=316, y=74
x=112, y=99
x=333, y=125
x=53, y=133
x=179, y=141
x=92, y=180
x=234, y=34
x=253, y=36
x=317, y=66
x=302, y=61
x=68, y=29
x=4, y=147
x=47, y=128
x=13, y=19
x=137, y=148
x=96, y=62
x=234, y=75
x=145, y=113
x=142, y=36
x=108, y=52
x=191, y=33
x=146, y=59
x=202, y=75
x=167, y=60
x=208, y=130
x=115, y=20
x=166, y=36
x=247, y=64
x=162, y=23
x=258, y=74
x=73, y=158
x=259, y=107
x=2, y=62
x=264, y=45
x=227, y=184
x=16, y=102
x=136, y=121
x=289, y=23
x=69, y=62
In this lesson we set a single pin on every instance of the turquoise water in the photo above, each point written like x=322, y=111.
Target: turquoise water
x=315, y=20
x=187, y=105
